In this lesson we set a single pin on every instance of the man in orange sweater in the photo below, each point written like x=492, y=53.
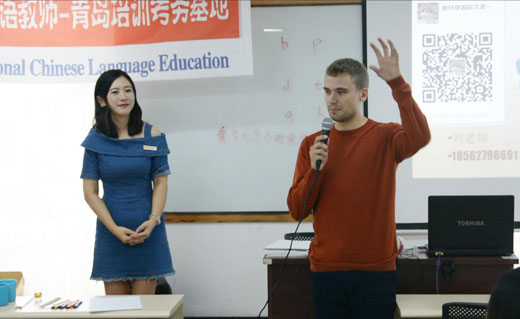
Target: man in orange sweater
x=353, y=252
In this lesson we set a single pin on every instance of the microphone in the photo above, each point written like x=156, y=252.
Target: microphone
x=326, y=126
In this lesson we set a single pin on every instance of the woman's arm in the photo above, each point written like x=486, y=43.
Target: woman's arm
x=91, y=194
x=160, y=187
x=160, y=191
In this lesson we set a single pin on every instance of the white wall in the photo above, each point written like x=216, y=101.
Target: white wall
x=47, y=230
x=219, y=266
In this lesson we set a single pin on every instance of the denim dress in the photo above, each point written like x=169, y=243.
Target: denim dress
x=127, y=167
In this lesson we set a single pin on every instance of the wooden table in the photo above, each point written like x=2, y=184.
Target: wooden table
x=457, y=275
x=154, y=306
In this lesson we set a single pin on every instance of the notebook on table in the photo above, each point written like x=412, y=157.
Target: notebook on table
x=471, y=225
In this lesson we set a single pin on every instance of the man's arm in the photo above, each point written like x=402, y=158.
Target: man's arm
x=304, y=175
x=414, y=132
x=388, y=61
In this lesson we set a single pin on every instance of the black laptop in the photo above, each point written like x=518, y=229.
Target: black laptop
x=471, y=225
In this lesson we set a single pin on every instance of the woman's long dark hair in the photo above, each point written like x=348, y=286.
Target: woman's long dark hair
x=103, y=116
x=505, y=296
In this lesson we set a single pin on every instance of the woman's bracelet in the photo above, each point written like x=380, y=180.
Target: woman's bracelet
x=157, y=218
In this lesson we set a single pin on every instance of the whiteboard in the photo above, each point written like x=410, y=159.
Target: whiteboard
x=234, y=141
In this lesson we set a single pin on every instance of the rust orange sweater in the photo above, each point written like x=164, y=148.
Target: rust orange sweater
x=353, y=201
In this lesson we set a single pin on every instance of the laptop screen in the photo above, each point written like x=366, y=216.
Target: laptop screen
x=472, y=224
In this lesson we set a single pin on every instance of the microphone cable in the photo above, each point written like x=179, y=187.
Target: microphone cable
x=290, y=245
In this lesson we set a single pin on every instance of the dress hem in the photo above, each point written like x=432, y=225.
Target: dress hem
x=100, y=278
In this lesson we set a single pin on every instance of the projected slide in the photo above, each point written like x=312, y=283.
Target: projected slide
x=466, y=79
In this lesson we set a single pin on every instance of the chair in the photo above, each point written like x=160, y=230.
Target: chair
x=299, y=236
x=163, y=287
x=464, y=310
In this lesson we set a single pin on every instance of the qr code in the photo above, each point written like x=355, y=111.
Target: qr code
x=457, y=67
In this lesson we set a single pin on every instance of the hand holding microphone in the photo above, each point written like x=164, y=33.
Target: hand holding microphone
x=319, y=151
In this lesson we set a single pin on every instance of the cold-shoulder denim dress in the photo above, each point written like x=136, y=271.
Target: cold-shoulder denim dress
x=127, y=167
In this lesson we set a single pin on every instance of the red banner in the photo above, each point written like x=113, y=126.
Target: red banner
x=48, y=23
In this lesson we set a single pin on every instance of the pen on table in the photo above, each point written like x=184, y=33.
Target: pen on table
x=67, y=304
x=49, y=302
x=71, y=304
x=59, y=305
x=76, y=305
x=25, y=304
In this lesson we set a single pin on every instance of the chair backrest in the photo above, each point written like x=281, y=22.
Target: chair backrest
x=464, y=310
x=163, y=287
x=299, y=236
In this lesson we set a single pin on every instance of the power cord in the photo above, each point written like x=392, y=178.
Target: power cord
x=290, y=245
x=437, y=267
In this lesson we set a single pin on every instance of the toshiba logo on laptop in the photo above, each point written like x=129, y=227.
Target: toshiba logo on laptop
x=471, y=223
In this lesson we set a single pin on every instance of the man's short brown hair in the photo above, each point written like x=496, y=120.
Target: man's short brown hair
x=354, y=68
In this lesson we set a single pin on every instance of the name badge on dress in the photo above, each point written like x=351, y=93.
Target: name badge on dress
x=149, y=147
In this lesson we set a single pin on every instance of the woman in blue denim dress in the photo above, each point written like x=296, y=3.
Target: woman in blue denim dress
x=129, y=156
